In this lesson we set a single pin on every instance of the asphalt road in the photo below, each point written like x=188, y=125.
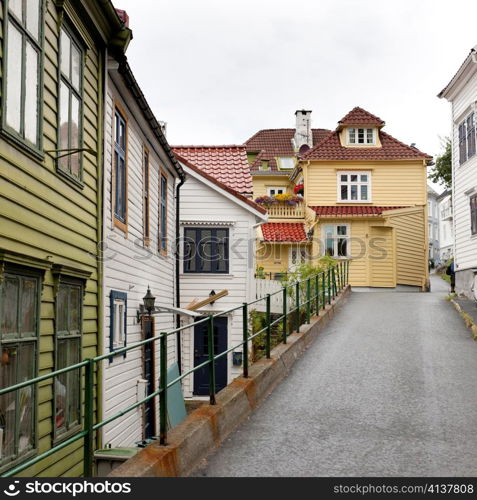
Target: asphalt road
x=388, y=389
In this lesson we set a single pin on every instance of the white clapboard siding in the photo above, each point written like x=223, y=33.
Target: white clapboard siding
x=130, y=267
x=207, y=205
x=464, y=179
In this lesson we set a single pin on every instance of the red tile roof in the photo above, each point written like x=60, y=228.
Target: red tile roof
x=221, y=185
x=227, y=164
x=350, y=210
x=271, y=143
x=359, y=116
x=284, y=231
x=330, y=148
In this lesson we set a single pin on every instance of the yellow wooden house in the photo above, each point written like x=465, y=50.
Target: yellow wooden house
x=363, y=198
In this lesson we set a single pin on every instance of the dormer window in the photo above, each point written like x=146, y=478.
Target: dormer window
x=361, y=136
x=286, y=163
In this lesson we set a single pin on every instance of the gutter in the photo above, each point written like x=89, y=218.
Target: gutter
x=178, y=289
x=125, y=70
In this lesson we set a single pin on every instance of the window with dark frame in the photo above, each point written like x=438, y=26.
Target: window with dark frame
x=206, y=250
x=146, y=198
x=470, y=135
x=467, y=141
x=69, y=305
x=120, y=170
x=70, y=105
x=473, y=214
x=163, y=214
x=19, y=326
x=23, y=53
x=118, y=307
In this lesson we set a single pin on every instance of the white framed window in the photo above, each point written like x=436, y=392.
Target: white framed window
x=286, y=162
x=275, y=190
x=361, y=136
x=336, y=240
x=354, y=187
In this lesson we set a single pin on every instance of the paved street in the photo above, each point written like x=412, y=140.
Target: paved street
x=388, y=389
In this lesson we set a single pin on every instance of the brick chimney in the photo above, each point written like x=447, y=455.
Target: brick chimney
x=122, y=14
x=303, y=133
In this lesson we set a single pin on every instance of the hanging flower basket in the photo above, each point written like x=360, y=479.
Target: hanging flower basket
x=299, y=189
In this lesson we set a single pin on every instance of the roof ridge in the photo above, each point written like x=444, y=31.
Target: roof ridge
x=222, y=185
x=360, y=110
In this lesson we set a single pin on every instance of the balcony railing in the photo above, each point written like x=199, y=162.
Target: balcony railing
x=284, y=211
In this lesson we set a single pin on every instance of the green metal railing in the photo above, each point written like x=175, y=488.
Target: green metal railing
x=309, y=296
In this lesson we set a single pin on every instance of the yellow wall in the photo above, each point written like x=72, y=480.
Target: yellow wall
x=273, y=257
x=411, y=247
x=359, y=266
x=260, y=183
x=392, y=183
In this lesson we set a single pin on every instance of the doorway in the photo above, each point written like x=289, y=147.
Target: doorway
x=201, y=355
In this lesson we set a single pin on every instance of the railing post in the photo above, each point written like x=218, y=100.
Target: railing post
x=269, y=328
x=297, y=296
x=308, y=301
x=329, y=285
x=338, y=272
x=285, y=314
x=317, y=295
x=163, y=388
x=323, y=287
x=88, y=448
x=245, y=339
x=210, y=342
x=335, y=289
x=347, y=272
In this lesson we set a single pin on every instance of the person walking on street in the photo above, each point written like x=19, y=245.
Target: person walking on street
x=450, y=272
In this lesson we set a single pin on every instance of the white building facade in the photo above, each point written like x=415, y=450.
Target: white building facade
x=433, y=222
x=461, y=92
x=446, y=226
x=215, y=221
x=139, y=229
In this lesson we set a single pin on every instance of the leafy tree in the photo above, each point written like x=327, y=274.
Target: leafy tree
x=442, y=170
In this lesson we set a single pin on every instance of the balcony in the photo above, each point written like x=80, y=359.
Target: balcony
x=283, y=211
x=283, y=206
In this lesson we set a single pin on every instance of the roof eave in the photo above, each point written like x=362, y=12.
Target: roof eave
x=449, y=89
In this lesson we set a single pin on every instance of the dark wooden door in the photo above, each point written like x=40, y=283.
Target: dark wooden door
x=201, y=354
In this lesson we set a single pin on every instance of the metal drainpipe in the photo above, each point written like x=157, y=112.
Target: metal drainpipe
x=178, y=290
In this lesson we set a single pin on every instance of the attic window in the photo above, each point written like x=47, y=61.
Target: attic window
x=264, y=165
x=286, y=163
x=361, y=135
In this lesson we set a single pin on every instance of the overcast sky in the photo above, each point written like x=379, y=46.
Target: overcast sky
x=217, y=71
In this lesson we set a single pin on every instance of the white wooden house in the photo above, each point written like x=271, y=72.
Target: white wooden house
x=215, y=220
x=446, y=226
x=461, y=92
x=140, y=178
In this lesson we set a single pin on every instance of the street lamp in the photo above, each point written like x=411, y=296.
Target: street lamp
x=149, y=301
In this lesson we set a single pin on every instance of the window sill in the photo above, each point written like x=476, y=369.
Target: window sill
x=26, y=147
x=354, y=202
x=71, y=180
x=213, y=275
x=17, y=461
x=67, y=434
x=121, y=225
